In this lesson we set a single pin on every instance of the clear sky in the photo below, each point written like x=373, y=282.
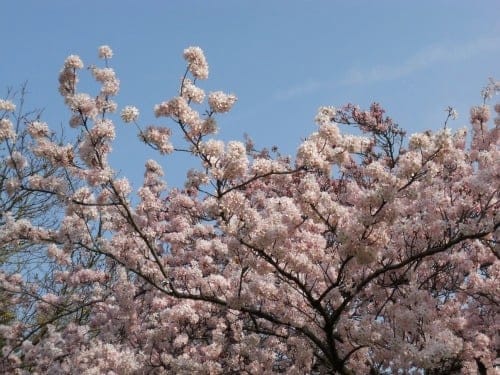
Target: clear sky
x=281, y=58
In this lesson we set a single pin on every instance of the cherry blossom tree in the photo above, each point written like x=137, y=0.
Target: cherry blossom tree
x=19, y=164
x=363, y=254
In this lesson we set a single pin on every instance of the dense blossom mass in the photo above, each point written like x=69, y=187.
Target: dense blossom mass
x=363, y=254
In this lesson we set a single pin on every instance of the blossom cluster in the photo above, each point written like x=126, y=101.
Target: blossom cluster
x=220, y=102
x=105, y=52
x=7, y=106
x=6, y=129
x=197, y=63
x=129, y=114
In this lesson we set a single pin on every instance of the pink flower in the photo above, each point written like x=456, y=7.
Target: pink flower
x=158, y=137
x=129, y=114
x=197, y=63
x=17, y=161
x=73, y=62
x=83, y=104
x=105, y=52
x=38, y=129
x=181, y=340
x=178, y=108
x=12, y=185
x=7, y=106
x=6, y=130
x=191, y=92
x=479, y=114
x=220, y=102
x=325, y=115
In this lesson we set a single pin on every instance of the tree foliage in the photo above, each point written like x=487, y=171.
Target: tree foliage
x=363, y=254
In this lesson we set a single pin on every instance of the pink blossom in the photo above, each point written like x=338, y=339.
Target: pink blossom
x=83, y=104
x=6, y=130
x=325, y=115
x=103, y=75
x=235, y=160
x=38, y=129
x=220, y=102
x=122, y=186
x=209, y=126
x=62, y=155
x=52, y=183
x=73, y=62
x=86, y=276
x=129, y=114
x=191, y=92
x=197, y=63
x=110, y=88
x=479, y=114
x=177, y=108
x=12, y=186
x=17, y=160
x=159, y=137
x=7, y=106
x=181, y=340
x=59, y=255
x=105, y=52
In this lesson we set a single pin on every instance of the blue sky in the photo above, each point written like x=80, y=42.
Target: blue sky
x=282, y=59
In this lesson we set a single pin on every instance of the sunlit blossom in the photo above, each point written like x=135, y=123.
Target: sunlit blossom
x=129, y=114
x=7, y=106
x=220, y=102
x=105, y=52
x=197, y=63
